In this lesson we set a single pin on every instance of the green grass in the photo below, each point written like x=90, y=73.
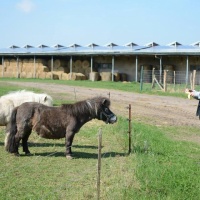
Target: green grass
x=164, y=164
x=157, y=168
x=167, y=169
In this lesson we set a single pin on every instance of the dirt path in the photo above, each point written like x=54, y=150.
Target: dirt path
x=153, y=109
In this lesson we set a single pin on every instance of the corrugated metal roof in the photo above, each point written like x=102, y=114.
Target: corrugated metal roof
x=152, y=48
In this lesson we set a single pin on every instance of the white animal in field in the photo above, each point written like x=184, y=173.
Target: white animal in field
x=14, y=99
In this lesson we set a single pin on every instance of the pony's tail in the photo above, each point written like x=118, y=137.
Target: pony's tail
x=10, y=144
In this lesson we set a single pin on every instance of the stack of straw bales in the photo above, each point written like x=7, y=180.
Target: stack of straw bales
x=82, y=67
x=72, y=76
x=60, y=68
x=25, y=68
x=106, y=76
x=2, y=70
x=94, y=76
x=11, y=69
x=29, y=70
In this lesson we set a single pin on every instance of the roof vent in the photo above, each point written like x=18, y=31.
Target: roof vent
x=42, y=46
x=152, y=44
x=92, y=45
x=111, y=45
x=130, y=44
x=196, y=44
x=74, y=45
x=13, y=47
x=27, y=46
x=58, y=46
x=175, y=44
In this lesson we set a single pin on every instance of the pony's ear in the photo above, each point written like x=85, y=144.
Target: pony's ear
x=105, y=102
x=45, y=98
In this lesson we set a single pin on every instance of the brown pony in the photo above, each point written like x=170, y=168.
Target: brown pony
x=54, y=122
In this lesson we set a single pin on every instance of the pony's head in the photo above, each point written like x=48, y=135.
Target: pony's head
x=105, y=113
x=101, y=106
x=46, y=100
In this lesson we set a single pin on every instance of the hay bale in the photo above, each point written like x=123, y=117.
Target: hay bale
x=9, y=74
x=85, y=64
x=106, y=76
x=45, y=68
x=59, y=73
x=23, y=75
x=94, y=76
x=76, y=76
x=29, y=75
x=42, y=69
x=80, y=76
x=72, y=76
x=51, y=74
x=116, y=76
x=56, y=63
x=26, y=75
x=6, y=62
x=87, y=72
x=59, y=69
x=2, y=68
x=11, y=69
x=42, y=75
x=78, y=64
x=65, y=76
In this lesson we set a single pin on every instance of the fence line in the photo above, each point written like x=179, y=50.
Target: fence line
x=173, y=77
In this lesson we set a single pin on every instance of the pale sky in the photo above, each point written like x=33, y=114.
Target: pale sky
x=65, y=22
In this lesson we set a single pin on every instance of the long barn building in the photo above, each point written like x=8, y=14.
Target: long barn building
x=110, y=62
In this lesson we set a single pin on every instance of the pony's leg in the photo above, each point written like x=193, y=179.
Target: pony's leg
x=17, y=142
x=68, y=142
x=25, y=145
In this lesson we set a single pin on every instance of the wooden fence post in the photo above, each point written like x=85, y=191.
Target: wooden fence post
x=99, y=163
x=174, y=79
x=141, y=78
x=165, y=80
x=193, y=79
x=153, y=78
x=129, y=131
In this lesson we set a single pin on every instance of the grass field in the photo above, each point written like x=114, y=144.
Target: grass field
x=160, y=166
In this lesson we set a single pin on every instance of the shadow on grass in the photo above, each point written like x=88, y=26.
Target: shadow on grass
x=77, y=155
x=61, y=145
x=1, y=143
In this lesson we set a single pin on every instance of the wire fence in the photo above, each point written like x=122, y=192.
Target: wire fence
x=173, y=77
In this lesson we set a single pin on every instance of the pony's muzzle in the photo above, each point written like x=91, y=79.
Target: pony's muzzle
x=113, y=119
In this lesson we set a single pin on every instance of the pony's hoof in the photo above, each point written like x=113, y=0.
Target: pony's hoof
x=28, y=154
x=16, y=154
x=69, y=157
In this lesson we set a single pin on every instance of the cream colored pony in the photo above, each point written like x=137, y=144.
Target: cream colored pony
x=14, y=99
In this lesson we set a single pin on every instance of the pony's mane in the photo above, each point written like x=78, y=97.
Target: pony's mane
x=90, y=106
